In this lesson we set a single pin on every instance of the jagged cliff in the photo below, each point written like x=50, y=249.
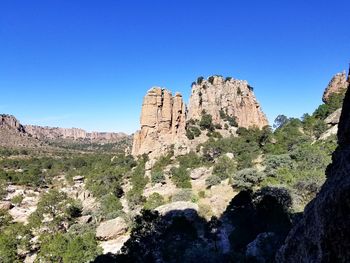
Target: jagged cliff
x=231, y=97
x=323, y=233
x=163, y=120
x=9, y=122
x=53, y=133
x=337, y=84
x=164, y=117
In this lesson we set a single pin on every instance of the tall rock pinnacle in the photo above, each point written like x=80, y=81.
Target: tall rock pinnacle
x=163, y=119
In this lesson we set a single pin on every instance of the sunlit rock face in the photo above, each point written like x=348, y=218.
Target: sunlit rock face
x=337, y=84
x=163, y=122
x=164, y=116
x=217, y=96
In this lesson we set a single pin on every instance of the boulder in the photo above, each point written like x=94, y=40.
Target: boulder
x=111, y=229
x=180, y=208
x=5, y=205
x=263, y=248
x=84, y=219
x=333, y=119
x=199, y=173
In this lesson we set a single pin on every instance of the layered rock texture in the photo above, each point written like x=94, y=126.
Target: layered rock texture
x=163, y=121
x=235, y=98
x=164, y=117
x=323, y=234
x=53, y=133
x=337, y=84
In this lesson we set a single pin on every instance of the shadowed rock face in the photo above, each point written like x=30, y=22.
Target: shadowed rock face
x=323, y=234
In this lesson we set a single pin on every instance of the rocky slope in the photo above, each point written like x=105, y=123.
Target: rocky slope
x=337, y=84
x=11, y=123
x=164, y=117
x=323, y=234
x=12, y=133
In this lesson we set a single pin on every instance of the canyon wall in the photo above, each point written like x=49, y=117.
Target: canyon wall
x=53, y=133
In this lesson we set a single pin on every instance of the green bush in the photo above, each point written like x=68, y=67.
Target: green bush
x=212, y=180
x=224, y=168
x=68, y=248
x=180, y=177
x=153, y=201
x=135, y=198
x=110, y=204
x=274, y=162
x=17, y=200
x=247, y=178
x=206, y=122
x=182, y=195
x=190, y=160
x=157, y=177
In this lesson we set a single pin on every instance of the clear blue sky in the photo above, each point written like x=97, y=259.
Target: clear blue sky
x=89, y=63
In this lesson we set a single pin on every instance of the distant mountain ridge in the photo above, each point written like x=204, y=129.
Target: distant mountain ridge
x=12, y=130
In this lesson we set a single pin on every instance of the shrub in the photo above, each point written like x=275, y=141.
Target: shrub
x=110, y=204
x=206, y=122
x=211, y=79
x=17, y=200
x=135, y=198
x=192, y=132
x=200, y=80
x=190, y=160
x=201, y=194
x=205, y=211
x=153, y=201
x=182, y=195
x=212, y=180
x=247, y=178
x=274, y=162
x=224, y=168
x=157, y=177
x=68, y=248
x=181, y=177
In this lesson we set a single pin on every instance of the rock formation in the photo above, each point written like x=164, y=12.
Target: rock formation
x=13, y=134
x=11, y=123
x=163, y=120
x=164, y=117
x=323, y=233
x=235, y=98
x=53, y=133
x=336, y=85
